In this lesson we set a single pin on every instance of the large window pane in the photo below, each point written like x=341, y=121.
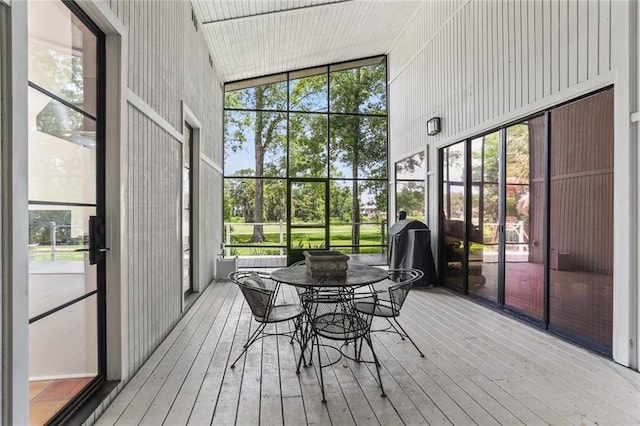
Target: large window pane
x=251, y=219
x=308, y=145
x=581, y=219
x=308, y=90
x=264, y=97
x=358, y=147
x=410, y=199
x=255, y=144
x=411, y=168
x=410, y=186
x=360, y=90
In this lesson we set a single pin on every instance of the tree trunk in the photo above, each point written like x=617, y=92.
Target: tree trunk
x=355, y=205
x=258, y=231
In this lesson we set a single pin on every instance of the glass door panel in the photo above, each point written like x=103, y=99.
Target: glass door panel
x=581, y=218
x=524, y=217
x=453, y=209
x=483, y=229
x=66, y=280
x=307, y=224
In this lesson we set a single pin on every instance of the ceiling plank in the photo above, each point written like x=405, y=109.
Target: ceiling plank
x=292, y=9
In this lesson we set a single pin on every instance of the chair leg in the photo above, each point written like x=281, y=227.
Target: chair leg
x=324, y=399
x=305, y=336
x=375, y=360
x=398, y=332
x=408, y=337
x=250, y=341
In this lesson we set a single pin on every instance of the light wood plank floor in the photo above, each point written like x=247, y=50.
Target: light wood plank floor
x=480, y=367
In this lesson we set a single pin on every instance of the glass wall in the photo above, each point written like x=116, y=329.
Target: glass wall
x=288, y=135
x=527, y=218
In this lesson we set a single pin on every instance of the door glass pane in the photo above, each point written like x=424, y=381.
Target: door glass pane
x=581, y=220
x=62, y=55
x=62, y=152
x=58, y=270
x=483, y=229
x=453, y=205
x=308, y=225
x=62, y=357
x=524, y=218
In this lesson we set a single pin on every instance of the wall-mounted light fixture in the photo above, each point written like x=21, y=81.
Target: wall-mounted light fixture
x=433, y=126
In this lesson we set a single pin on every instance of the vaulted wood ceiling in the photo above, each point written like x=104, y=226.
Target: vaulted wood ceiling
x=251, y=38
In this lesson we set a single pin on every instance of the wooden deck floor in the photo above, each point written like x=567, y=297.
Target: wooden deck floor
x=480, y=368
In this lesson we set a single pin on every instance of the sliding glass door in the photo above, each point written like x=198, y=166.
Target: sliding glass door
x=527, y=218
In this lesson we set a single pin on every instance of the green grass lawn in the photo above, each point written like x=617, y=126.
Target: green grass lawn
x=63, y=252
x=302, y=238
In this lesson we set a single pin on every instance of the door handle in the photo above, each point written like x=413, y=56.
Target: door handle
x=97, y=240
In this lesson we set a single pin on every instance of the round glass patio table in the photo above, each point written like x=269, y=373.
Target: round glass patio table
x=357, y=276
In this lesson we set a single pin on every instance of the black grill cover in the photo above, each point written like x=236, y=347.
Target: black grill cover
x=410, y=248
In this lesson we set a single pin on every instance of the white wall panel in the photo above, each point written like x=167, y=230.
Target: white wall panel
x=481, y=60
x=168, y=63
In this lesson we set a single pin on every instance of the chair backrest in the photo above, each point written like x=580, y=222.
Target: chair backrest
x=259, y=298
x=403, y=279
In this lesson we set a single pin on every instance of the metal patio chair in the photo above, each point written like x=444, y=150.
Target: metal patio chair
x=387, y=298
x=332, y=316
x=260, y=292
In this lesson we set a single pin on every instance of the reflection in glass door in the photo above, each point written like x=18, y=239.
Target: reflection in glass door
x=527, y=219
x=453, y=210
x=524, y=217
x=484, y=238
x=66, y=194
x=307, y=228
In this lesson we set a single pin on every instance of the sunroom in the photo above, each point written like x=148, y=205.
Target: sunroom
x=145, y=144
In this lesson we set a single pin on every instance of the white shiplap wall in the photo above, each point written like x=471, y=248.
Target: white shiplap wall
x=168, y=64
x=479, y=64
x=473, y=62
